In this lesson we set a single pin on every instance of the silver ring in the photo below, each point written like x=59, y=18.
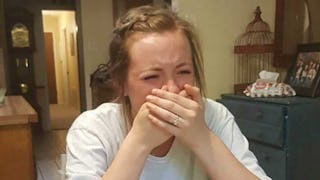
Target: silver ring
x=176, y=120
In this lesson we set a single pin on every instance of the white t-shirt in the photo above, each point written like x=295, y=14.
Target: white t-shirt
x=96, y=135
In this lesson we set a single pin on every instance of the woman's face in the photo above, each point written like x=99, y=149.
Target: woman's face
x=157, y=60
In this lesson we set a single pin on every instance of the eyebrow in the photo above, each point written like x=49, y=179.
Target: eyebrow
x=183, y=64
x=155, y=68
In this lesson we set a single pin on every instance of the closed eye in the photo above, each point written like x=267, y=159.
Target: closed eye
x=150, y=77
x=184, y=72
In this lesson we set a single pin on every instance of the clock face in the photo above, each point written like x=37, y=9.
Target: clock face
x=20, y=36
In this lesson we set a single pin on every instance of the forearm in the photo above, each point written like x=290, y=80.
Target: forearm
x=218, y=160
x=129, y=161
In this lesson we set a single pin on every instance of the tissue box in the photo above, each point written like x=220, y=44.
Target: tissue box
x=239, y=88
x=269, y=89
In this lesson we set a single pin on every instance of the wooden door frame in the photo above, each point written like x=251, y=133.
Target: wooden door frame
x=82, y=84
x=51, y=70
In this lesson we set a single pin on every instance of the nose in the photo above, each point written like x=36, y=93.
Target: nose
x=173, y=86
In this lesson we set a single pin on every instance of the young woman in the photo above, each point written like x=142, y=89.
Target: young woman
x=162, y=126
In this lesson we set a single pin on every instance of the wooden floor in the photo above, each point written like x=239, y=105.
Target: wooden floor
x=48, y=146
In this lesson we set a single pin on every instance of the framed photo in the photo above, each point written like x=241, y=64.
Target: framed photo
x=304, y=73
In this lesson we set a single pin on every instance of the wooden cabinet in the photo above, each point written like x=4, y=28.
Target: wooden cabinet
x=283, y=133
x=16, y=154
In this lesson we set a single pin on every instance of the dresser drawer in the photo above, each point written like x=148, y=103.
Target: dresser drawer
x=255, y=111
x=272, y=160
x=266, y=133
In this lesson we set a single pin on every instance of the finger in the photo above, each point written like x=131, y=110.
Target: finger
x=183, y=101
x=166, y=104
x=164, y=114
x=164, y=125
x=164, y=87
x=184, y=94
x=194, y=92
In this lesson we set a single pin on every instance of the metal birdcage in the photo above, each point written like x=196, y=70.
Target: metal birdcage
x=254, y=52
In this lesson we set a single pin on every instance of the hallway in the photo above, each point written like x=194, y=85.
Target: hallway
x=49, y=145
x=47, y=149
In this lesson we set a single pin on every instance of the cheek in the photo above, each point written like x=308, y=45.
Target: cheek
x=186, y=80
x=137, y=92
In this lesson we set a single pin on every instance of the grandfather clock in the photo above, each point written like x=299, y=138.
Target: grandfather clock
x=20, y=43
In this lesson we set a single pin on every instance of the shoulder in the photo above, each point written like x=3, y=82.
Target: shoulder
x=96, y=136
x=215, y=109
x=217, y=116
x=214, y=105
x=106, y=117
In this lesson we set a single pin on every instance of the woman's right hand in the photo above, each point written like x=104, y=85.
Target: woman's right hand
x=146, y=133
x=143, y=137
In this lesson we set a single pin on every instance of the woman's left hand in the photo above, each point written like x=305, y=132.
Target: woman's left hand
x=180, y=114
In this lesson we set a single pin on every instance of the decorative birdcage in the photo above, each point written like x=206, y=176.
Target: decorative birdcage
x=254, y=52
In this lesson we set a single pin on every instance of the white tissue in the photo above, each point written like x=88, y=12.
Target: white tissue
x=266, y=76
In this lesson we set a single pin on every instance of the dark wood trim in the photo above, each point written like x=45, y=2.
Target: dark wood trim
x=3, y=43
x=281, y=60
x=82, y=84
x=278, y=33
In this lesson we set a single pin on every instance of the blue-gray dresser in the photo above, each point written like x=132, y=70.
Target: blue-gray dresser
x=283, y=133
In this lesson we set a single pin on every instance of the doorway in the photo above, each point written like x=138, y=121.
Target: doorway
x=61, y=56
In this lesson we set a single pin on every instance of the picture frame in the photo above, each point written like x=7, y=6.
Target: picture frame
x=304, y=74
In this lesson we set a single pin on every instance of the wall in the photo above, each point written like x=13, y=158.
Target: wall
x=219, y=23
x=97, y=25
x=67, y=20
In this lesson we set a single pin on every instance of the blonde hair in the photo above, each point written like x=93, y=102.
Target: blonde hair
x=147, y=19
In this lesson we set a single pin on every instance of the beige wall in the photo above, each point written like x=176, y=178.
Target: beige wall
x=67, y=21
x=219, y=23
x=97, y=24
